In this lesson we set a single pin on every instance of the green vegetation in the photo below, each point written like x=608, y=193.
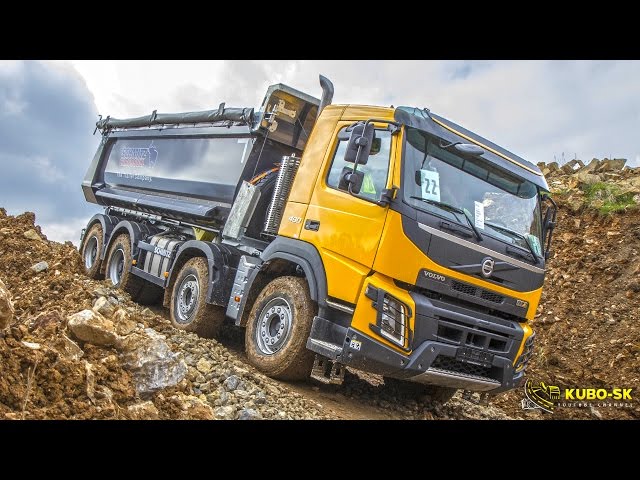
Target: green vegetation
x=607, y=197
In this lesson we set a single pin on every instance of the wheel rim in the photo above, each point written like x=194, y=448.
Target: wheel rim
x=90, y=252
x=116, y=266
x=274, y=326
x=188, y=295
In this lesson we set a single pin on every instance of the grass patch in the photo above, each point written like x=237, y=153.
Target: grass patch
x=607, y=197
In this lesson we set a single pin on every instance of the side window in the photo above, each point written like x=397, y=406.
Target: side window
x=375, y=171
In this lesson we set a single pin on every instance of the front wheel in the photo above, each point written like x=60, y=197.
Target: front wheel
x=189, y=308
x=278, y=328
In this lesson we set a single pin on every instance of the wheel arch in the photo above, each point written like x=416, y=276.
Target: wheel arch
x=107, y=222
x=283, y=257
x=135, y=231
x=306, y=256
x=222, y=261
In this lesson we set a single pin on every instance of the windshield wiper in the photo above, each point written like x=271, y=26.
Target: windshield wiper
x=516, y=234
x=451, y=208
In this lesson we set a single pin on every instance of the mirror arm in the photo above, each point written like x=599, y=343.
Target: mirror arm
x=387, y=195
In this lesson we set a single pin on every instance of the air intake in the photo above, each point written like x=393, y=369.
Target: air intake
x=287, y=173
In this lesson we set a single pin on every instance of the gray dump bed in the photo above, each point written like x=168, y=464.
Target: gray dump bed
x=189, y=166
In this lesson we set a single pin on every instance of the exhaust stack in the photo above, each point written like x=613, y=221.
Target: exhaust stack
x=327, y=93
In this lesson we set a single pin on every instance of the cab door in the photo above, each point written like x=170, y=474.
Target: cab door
x=346, y=229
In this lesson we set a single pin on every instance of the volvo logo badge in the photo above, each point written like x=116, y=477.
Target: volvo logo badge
x=487, y=267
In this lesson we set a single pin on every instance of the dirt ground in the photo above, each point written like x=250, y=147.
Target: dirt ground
x=587, y=336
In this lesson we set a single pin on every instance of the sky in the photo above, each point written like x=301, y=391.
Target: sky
x=540, y=110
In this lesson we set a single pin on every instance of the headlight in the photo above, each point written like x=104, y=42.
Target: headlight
x=393, y=323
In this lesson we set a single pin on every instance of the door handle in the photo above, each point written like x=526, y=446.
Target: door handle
x=313, y=225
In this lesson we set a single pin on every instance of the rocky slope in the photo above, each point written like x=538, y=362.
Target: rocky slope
x=588, y=323
x=71, y=347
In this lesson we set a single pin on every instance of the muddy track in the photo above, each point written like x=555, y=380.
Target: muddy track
x=362, y=396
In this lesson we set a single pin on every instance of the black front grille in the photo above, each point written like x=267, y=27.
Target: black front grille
x=464, y=288
x=476, y=292
x=450, y=364
x=491, y=297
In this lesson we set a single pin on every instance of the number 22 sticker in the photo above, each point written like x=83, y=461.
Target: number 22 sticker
x=430, y=185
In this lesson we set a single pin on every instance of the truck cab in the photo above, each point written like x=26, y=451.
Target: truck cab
x=390, y=240
x=436, y=262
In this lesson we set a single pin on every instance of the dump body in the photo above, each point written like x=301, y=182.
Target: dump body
x=189, y=166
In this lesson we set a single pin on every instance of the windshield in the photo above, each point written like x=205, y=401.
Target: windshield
x=453, y=186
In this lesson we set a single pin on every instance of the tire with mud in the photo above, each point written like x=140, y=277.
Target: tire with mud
x=117, y=271
x=189, y=309
x=90, y=252
x=433, y=393
x=278, y=328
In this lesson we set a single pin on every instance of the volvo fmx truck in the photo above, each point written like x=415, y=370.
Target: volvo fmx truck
x=386, y=239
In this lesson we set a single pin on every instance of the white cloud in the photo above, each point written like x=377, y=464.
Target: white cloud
x=538, y=109
x=67, y=230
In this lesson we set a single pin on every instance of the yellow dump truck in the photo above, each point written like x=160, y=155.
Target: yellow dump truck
x=387, y=239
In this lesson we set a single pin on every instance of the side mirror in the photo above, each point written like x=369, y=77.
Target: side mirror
x=360, y=143
x=548, y=224
x=351, y=181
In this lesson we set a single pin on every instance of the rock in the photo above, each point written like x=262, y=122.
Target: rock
x=231, y=383
x=249, y=414
x=553, y=167
x=91, y=327
x=591, y=167
x=123, y=322
x=192, y=407
x=227, y=412
x=586, y=178
x=595, y=413
x=100, y=292
x=40, y=267
x=68, y=348
x=241, y=394
x=32, y=345
x=572, y=166
x=203, y=366
x=104, y=307
x=143, y=411
x=575, y=203
x=152, y=363
x=260, y=399
x=6, y=307
x=224, y=397
x=610, y=165
x=46, y=323
x=91, y=382
x=32, y=235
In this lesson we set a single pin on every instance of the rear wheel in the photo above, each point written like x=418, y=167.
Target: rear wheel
x=189, y=309
x=117, y=271
x=434, y=393
x=278, y=328
x=90, y=252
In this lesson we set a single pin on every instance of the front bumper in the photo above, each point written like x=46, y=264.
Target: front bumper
x=452, y=346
